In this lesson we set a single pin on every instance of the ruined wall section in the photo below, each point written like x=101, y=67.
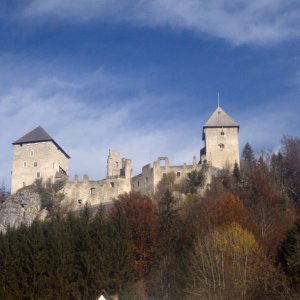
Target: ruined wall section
x=83, y=192
x=33, y=161
x=147, y=181
x=118, y=166
x=117, y=182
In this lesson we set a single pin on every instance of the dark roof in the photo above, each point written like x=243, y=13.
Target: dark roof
x=38, y=135
x=220, y=118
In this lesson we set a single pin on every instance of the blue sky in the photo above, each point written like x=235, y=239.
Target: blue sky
x=142, y=77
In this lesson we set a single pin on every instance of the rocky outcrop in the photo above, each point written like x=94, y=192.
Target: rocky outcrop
x=21, y=208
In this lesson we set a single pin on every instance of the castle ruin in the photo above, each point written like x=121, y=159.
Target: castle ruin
x=38, y=156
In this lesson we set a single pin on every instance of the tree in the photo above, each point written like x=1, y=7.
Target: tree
x=291, y=167
x=140, y=214
x=121, y=271
x=195, y=179
x=289, y=254
x=230, y=210
x=50, y=195
x=236, y=172
x=248, y=154
x=169, y=228
x=62, y=266
x=221, y=263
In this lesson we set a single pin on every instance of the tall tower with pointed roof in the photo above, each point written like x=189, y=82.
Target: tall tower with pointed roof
x=221, y=140
x=37, y=156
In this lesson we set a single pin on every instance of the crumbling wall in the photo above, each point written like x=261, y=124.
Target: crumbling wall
x=147, y=181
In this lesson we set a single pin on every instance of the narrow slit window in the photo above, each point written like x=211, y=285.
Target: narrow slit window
x=38, y=174
x=31, y=153
x=25, y=164
x=178, y=174
x=35, y=164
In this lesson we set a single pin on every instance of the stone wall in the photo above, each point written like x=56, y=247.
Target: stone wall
x=79, y=193
x=36, y=161
x=221, y=147
x=118, y=181
x=147, y=181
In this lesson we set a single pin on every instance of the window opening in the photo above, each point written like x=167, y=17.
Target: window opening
x=35, y=164
x=112, y=184
x=93, y=191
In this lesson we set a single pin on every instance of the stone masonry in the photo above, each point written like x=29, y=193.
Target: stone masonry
x=37, y=155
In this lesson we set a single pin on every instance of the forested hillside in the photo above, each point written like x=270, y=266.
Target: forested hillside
x=239, y=239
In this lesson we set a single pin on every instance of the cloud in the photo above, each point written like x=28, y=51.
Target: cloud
x=259, y=22
x=87, y=127
x=88, y=114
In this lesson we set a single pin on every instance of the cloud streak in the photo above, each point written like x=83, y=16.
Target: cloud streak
x=88, y=114
x=259, y=22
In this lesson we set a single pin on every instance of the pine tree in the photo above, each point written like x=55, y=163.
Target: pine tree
x=121, y=270
x=289, y=254
x=62, y=269
x=248, y=154
x=236, y=172
x=168, y=246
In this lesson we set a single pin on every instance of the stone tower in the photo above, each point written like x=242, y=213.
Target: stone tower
x=118, y=166
x=221, y=140
x=37, y=156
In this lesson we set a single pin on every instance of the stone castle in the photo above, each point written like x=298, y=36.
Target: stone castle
x=36, y=155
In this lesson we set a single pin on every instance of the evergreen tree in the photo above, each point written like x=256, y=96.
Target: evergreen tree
x=121, y=270
x=248, y=154
x=289, y=254
x=236, y=172
x=195, y=180
x=100, y=254
x=34, y=264
x=168, y=247
x=62, y=269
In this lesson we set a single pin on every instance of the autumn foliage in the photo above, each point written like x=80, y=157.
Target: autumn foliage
x=235, y=238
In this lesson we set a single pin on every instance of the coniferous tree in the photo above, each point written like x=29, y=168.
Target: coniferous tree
x=248, y=154
x=100, y=253
x=121, y=270
x=169, y=227
x=289, y=254
x=236, y=172
x=61, y=254
x=34, y=265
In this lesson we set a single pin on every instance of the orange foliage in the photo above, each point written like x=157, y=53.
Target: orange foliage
x=140, y=215
x=230, y=210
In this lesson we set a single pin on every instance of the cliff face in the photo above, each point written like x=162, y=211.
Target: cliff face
x=21, y=208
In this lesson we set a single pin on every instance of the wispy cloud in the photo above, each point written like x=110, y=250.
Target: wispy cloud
x=88, y=114
x=259, y=22
x=87, y=129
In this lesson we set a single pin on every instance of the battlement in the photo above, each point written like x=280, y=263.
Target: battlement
x=38, y=156
x=152, y=174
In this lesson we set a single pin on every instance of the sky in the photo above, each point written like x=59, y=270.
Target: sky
x=142, y=77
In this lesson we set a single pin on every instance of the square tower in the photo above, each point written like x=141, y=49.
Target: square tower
x=37, y=156
x=221, y=141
